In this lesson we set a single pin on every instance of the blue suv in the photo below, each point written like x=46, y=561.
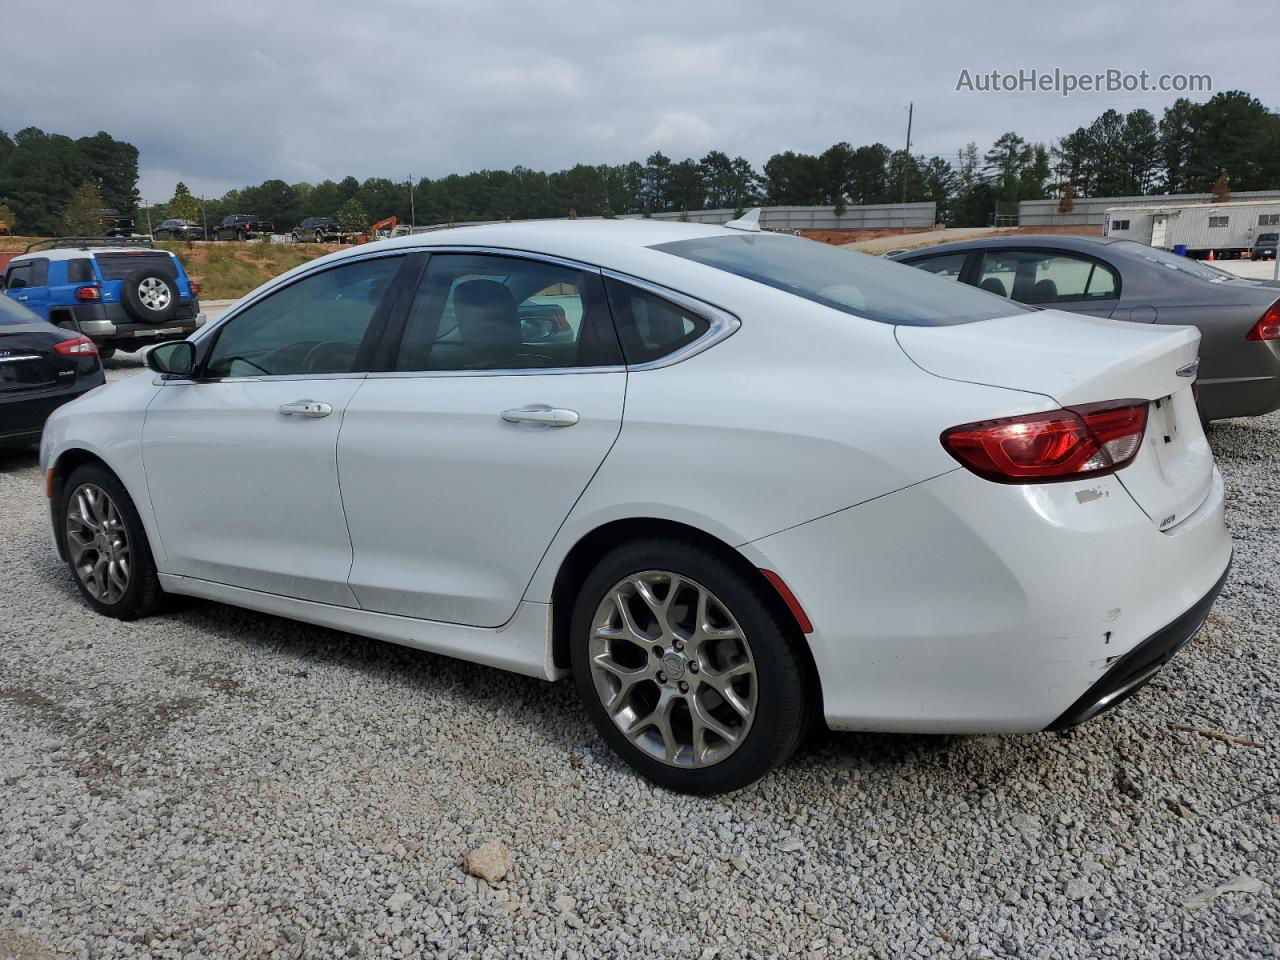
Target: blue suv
x=120, y=293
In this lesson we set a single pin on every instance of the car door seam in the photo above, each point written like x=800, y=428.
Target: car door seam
x=342, y=499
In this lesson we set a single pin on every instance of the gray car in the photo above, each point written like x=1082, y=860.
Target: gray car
x=1239, y=320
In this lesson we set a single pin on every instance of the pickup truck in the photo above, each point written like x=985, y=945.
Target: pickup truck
x=242, y=226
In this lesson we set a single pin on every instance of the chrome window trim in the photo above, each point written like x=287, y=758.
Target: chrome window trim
x=722, y=323
x=519, y=372
x=162, y=380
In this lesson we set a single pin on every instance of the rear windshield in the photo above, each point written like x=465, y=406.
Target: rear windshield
x=853, y=283
x=1173, y=261
x=117, y=266
x=1266, y=238
x=12, y=313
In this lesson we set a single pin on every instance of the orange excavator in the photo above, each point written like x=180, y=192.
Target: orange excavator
x=375, y=231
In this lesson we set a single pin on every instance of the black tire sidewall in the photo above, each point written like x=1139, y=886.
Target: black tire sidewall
x=133, y=302
x=781, y=696
x=143, y=592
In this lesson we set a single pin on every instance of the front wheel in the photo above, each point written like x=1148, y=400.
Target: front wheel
x=686, y=667
x=106, y=546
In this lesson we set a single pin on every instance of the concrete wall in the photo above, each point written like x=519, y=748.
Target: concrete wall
x=870, y=217
x=1088, y=211
x=880, y=216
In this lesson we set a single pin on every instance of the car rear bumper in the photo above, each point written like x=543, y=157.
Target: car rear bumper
x=22, y=418
x=111, y=322
x=1131, y=672
x=963, y=606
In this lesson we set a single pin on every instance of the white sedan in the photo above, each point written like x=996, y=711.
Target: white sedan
x=731, y=482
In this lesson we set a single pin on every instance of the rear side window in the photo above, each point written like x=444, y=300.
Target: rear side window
x=1046, y=277
x=852, y=283
x=483, y=312
x=117, y=266
x=650, y=326
x=79, y=271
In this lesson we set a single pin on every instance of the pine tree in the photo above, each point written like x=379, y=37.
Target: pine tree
x=83, y=216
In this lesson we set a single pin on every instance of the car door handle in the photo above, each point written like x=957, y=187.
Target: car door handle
x=22, y=299
x=307, y=408
x=540, y=413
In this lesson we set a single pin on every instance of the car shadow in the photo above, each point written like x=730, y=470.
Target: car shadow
x=15, y=459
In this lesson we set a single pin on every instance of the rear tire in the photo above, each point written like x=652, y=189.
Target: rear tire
x=106, y=546
x=653, y=692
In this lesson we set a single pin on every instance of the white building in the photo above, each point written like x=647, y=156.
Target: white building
x=1227, y=229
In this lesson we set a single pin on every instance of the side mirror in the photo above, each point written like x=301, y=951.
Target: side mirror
x=176, y=359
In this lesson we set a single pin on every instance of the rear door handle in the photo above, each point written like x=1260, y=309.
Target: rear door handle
x=541, y=413
x=22, y=299
x=306, y=408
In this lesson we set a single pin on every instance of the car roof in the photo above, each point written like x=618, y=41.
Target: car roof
x=594, y=241
x=1061, y=241
x=73, y=253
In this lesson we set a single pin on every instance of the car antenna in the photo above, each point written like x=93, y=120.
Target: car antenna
x=749, y=221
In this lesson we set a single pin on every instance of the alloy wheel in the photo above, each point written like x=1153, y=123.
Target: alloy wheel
x=98, y=543
x=673, y=669
x=154, y=293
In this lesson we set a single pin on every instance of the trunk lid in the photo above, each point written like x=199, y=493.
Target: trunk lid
x=28, y=361
x=1076, y=359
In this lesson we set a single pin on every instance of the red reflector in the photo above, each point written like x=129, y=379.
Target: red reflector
x=195, y=287
x=1071, y=444
x=1268, y=325
x=790, y=600
x=79, y=347
x=88, y=293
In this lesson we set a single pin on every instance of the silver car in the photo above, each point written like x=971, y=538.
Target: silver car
x=1239, y=320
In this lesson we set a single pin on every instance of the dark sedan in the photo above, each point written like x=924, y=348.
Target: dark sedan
x=41, y=368
x=1239, y=320
x=178, y=230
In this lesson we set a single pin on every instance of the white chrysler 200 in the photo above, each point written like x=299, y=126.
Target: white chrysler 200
x=731, y=482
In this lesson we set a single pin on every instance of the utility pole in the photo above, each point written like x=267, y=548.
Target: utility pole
x=906, y=158
x=147, y=209
x=413, y=214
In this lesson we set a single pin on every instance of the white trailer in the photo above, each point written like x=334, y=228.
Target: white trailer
x=1225, y=229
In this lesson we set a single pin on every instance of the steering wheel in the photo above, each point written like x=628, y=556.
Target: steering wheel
x=343, y=352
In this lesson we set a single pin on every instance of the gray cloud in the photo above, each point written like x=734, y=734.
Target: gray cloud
x=234, y=92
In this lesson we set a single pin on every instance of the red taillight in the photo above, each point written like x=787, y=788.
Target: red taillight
x=1070, y=444
x=561, y=323
x=195, y=287
x=1268, y=325
x=79, y=347
x=88, y=293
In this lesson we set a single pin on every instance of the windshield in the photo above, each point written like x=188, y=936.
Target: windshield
x=1174, y=262
x=853, y=283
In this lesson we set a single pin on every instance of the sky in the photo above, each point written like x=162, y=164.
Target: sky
x=228, y=93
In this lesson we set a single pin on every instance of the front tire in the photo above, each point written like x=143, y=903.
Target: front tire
x=105, y=545
x=686, y=667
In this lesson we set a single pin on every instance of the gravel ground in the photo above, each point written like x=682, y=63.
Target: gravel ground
x=219, y=783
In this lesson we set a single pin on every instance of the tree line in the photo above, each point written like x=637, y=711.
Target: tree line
x=41, y=172
x=1187, y=149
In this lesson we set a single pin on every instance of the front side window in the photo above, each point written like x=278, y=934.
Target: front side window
x=947, y=265
x=482, y=312
x=313, y=326
x=853, y=283
x=19, y=276
x=1046, y=277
